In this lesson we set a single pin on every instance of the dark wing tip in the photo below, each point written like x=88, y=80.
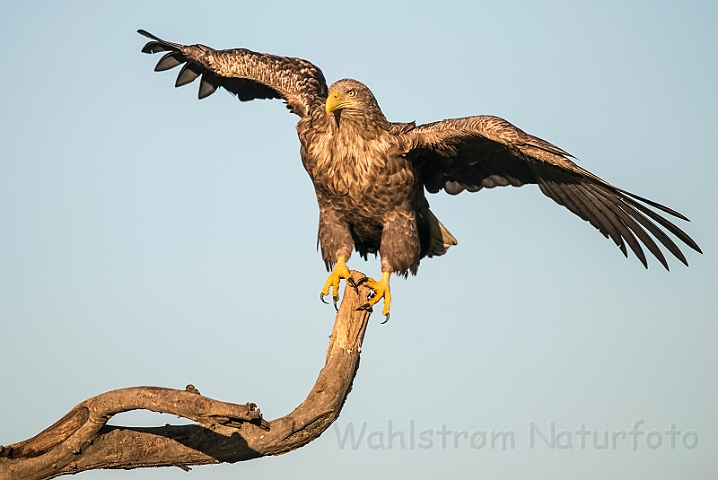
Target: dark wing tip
x=188, y=74
x=655, y=205
x=170, y=60
x=208, y=85
x=147, y=34
x=157, y=45
x=154, y=47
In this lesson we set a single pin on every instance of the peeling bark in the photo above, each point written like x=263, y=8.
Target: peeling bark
x=224, y=432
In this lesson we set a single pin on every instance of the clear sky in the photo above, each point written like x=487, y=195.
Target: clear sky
x=148, y=238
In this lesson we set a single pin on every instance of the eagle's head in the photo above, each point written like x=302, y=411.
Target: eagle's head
x=351, y=98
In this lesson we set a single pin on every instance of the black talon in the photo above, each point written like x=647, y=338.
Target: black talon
x=350, y=282
x=336, y=299
x=365, y=306
x=386, y=319
x=321, y=297
x=357, y=284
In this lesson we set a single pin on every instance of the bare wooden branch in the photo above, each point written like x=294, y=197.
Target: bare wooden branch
x=224, y=432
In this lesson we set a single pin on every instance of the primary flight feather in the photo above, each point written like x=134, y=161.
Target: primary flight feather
x=369, y=174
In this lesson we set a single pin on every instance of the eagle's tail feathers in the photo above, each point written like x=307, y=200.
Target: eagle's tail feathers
x=441, y=238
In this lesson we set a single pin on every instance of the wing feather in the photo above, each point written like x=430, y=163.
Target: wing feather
x=614, y=227
x=680, y=234
x=188, y=74
x=485, y=152
x=246, y=74
x=208, y=85
x=657, y=233
x=170, y=60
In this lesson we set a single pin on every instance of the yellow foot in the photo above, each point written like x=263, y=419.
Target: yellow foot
x=339, y=271
x=381, y=290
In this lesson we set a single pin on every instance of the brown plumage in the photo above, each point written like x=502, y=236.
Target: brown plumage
x=369, y=174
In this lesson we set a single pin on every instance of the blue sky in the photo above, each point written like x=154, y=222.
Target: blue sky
x=149, y=238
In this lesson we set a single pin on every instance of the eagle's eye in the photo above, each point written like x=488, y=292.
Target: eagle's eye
x=351, y=93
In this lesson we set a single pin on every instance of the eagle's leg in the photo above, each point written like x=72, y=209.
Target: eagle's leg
x=381, y=290
x=339, y=271
x=399, y=249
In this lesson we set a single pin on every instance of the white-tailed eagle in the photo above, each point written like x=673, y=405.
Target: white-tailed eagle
x=370, y=175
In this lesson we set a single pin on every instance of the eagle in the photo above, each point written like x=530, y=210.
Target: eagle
x=371, y=175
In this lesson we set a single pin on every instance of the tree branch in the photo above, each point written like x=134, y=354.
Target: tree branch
x=224, y=432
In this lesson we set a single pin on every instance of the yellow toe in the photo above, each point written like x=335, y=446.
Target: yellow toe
x=339, y=271
x=381, y=290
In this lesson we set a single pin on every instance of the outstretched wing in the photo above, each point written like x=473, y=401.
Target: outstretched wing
x=484, y=152
x=248, y=75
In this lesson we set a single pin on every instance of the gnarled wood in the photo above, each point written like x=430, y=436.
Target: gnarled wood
x=224, y=432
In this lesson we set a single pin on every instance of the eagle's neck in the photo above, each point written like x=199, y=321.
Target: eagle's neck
x=368, y=124
x=358, y=140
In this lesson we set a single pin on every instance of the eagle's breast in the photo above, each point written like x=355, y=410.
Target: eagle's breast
x=347, y=161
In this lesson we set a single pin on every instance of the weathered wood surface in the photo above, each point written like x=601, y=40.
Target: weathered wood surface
x=224, y=432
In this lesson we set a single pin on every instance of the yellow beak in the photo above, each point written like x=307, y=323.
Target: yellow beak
x=337, y=102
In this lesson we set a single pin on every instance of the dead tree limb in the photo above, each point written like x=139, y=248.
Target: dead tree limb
x=224, y=432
